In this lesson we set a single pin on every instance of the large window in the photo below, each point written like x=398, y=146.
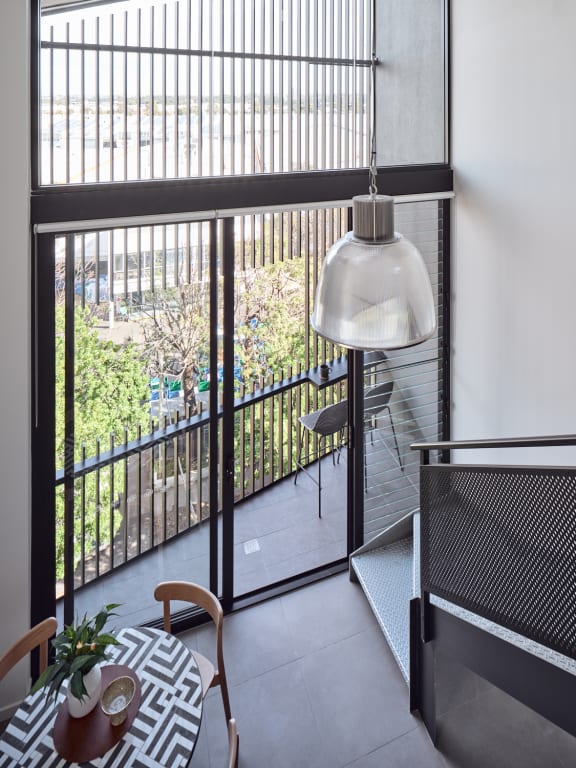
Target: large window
x=178, y=335
x=180, y=88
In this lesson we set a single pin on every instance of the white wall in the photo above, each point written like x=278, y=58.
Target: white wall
x=14, y=341
x=514, y=156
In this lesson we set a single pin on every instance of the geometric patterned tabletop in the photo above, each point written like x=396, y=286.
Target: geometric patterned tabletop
x=164, y=730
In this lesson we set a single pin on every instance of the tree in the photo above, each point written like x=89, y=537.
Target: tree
x=270, y=317
x=111, y=394
x=176, y=334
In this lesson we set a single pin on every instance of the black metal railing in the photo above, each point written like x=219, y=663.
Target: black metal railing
x=165, y=474
x=136, y=489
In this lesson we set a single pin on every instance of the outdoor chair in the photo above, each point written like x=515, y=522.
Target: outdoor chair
x=210, y=675
x=325, y=423
x=376, y=401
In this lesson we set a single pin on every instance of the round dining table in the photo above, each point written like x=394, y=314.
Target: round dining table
x=161, y=729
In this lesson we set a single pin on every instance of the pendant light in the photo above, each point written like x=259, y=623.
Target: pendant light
x=374, y=290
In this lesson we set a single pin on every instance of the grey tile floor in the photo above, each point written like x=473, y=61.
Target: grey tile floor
x=313, y=684
x=480, y=726
x=277, y=535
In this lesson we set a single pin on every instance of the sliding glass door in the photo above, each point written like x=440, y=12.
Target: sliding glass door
x=183, y=364
x=138, y=393
x=278, y=533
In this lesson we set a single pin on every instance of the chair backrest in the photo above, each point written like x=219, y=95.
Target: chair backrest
x=37, y=637
x=332, y=418
x=374, y=359
x=377, y=398
x=232, y=744
x=189, y=592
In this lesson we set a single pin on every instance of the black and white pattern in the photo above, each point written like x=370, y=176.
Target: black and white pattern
x=164, y=731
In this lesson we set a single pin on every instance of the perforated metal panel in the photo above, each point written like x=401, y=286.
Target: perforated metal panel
x=501, y=542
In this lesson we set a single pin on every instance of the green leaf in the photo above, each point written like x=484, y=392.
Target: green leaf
x=44, y=678
x=57, y=681
x=77, y=687
x=106, y=639
x=80, y=663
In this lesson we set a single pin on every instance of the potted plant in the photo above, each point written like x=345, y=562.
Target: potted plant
x=79, y=650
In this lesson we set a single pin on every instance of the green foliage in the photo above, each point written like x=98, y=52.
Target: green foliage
x=270, y=316
x=109, y=390
x=111, y=394
x=175, y=333
x=78, y=648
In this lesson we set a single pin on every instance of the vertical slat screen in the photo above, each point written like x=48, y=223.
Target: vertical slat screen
x=203, y=88
x=391, y=483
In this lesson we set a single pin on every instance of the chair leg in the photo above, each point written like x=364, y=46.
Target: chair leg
x=340, y=445
x=320, y=476
x=365, y=467
x=225, y=697
x=299, y=453
x=395, y=440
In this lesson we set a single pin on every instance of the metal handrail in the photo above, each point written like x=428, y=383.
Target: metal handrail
x=184, y=425
x=553, y=441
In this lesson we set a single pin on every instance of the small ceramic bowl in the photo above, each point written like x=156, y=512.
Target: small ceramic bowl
x=116, y=699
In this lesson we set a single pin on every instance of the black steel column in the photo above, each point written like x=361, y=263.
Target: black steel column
x=69, y=406
x=214, y=460
x=228, y=416
x=355, y=449
x=43, y=472
x=444, y=337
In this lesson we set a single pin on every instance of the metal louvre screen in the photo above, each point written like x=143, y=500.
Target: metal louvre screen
x=413, y=376
x=501, y=542
x=150, y=89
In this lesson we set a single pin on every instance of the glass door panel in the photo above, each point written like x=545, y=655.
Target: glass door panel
x=134, y=466
x=402, y=392
x=278, y=533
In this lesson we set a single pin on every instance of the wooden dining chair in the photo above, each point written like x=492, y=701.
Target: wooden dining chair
x=232, y=743
x=187, y=591
x=37, y=637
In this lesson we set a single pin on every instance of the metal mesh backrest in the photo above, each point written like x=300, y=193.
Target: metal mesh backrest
x=377, y=398
x=327, y=420
x=374, y=359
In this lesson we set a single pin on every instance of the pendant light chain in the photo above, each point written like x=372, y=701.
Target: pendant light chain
x=373, y=291
x=373, y=61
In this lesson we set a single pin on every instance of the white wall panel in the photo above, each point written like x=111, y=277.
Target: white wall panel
x=14, y=341
x=514, y=155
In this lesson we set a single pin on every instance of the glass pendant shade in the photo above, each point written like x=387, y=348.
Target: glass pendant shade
x=374, y=290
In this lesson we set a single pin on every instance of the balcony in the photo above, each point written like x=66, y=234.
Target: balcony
x=141, y=500
x=278, y=534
